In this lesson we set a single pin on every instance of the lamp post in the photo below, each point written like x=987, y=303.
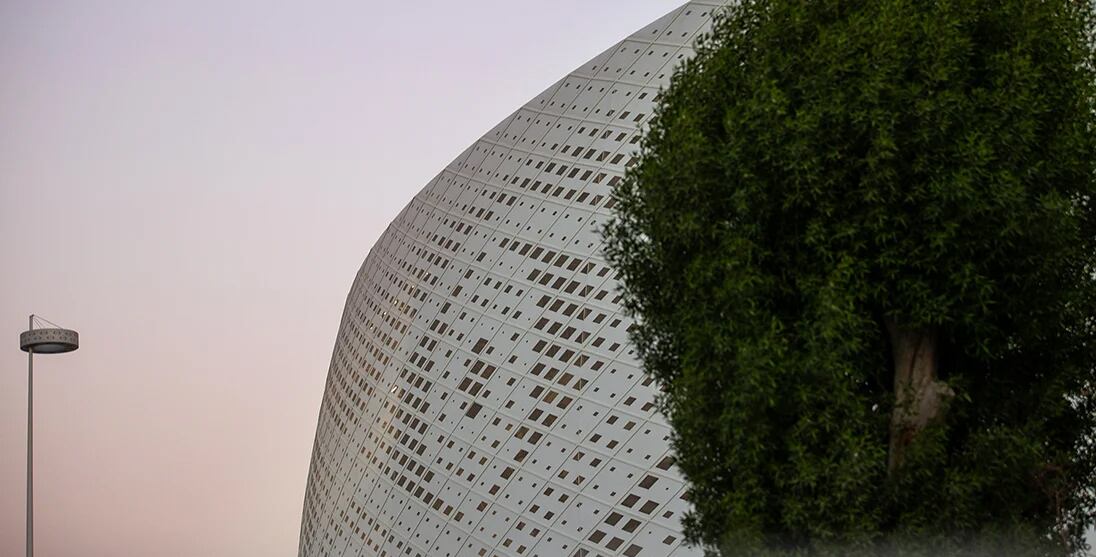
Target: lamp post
x=43, y=341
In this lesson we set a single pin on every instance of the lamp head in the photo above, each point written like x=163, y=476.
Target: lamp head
x=49, y=341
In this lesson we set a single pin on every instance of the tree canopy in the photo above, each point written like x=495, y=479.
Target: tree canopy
x=860, y=248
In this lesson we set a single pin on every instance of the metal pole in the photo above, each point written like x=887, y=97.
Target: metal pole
x=30, y=447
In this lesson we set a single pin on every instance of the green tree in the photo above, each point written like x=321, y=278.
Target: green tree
x=860, y=248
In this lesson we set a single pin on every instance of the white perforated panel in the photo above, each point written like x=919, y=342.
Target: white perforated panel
x=482, y=397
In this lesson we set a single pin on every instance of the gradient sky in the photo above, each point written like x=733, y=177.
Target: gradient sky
x=193, y=185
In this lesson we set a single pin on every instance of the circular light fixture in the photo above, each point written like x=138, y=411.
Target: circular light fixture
x=49, y=341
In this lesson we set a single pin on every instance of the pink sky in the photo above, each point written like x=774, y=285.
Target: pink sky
x=192, y=185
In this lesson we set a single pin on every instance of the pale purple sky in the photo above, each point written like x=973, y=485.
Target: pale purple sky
x=193, y=185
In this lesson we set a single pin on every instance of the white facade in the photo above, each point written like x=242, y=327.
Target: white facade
x=483, y=398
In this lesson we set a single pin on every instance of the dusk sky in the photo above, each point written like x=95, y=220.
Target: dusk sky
x=192, y=186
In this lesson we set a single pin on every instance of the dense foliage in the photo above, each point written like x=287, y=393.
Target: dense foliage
x=825, y=173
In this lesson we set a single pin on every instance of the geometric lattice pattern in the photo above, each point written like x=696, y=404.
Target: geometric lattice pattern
x=482, y=397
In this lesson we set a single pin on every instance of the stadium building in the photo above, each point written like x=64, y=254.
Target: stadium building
x=483, y=398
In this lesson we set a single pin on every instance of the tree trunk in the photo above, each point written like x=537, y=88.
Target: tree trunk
x=920, y=399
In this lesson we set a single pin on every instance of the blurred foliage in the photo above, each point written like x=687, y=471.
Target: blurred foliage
x=820, y=167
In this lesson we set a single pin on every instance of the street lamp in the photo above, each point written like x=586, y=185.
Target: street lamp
x=43, y=341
